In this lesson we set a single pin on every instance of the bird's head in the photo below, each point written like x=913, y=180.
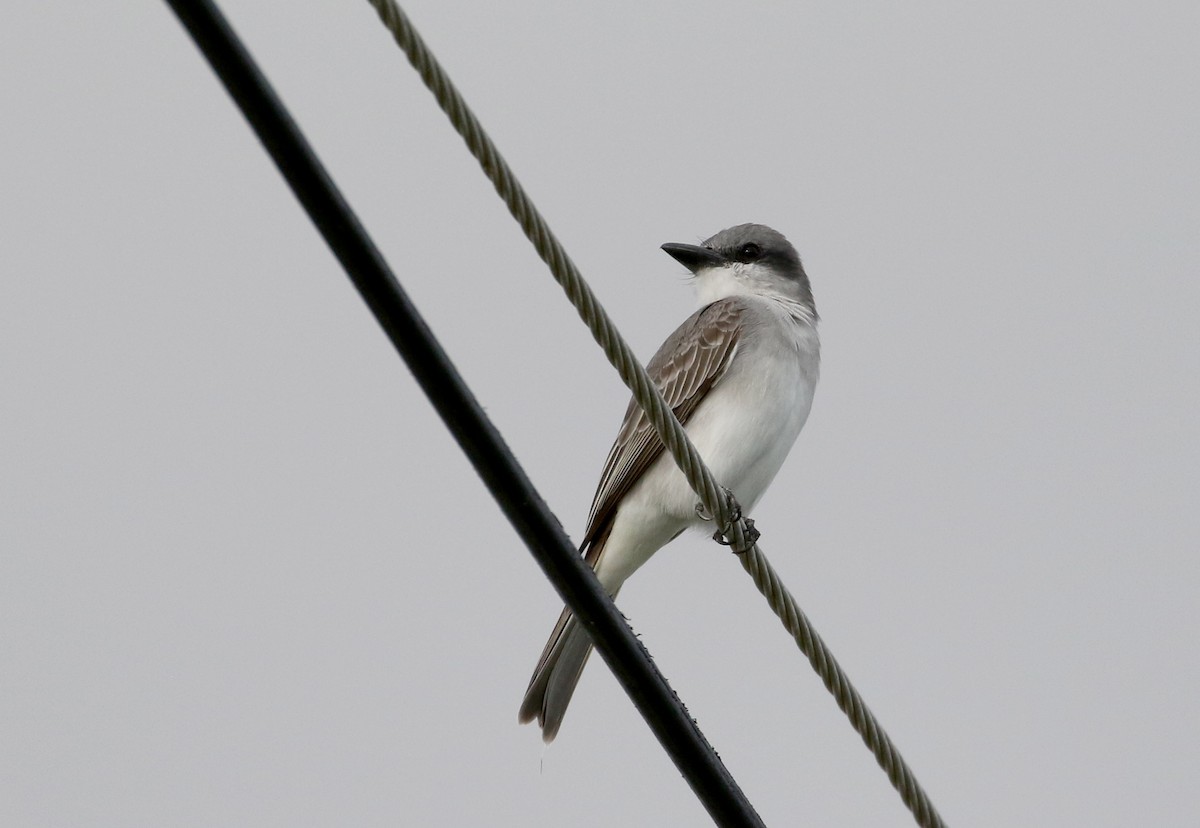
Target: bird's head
x=749, y=259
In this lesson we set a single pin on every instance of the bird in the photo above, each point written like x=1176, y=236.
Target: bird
x=740, y=374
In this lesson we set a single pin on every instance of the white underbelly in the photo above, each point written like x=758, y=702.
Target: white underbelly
x=746, y=429
x=743, y=430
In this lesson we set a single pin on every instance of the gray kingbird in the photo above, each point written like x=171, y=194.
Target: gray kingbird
x=740, y=375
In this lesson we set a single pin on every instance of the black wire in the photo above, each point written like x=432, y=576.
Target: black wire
x=494, y=463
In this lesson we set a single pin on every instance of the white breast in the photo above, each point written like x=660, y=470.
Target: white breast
x=746, y=427
x=743, y=429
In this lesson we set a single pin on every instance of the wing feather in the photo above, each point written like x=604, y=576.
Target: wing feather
x=686, y=367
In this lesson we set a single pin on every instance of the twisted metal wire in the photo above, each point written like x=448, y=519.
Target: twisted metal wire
x=551, y=251
x=838, y=684
x=716, y=501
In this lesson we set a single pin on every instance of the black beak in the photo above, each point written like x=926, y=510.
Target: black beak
x=693, y=257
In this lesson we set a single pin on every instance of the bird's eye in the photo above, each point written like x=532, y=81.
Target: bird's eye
x=749, y=252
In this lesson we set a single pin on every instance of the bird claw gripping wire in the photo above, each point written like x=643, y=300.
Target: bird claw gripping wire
x=722, y=535
x=752, y=536
x=703, y=514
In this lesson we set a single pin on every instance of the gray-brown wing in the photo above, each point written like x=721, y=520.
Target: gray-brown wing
x=688, y=364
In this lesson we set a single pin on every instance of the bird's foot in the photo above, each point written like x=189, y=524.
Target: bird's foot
x=703, y=514
x=752, y=534
x=723, y=533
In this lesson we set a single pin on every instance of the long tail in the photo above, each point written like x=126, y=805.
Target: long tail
x=557, y=673
x=558, y=670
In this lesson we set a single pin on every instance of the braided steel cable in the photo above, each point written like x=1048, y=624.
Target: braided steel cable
x=552, y=253
x=716, y=501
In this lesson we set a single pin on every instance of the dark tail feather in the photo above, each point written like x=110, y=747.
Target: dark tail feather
x=557, y=673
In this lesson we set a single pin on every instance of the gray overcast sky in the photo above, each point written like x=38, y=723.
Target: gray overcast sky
x=246, y=577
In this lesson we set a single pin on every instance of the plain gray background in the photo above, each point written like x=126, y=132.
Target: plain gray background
x=246, y=577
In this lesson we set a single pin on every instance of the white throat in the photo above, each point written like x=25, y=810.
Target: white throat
x=716, y=283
